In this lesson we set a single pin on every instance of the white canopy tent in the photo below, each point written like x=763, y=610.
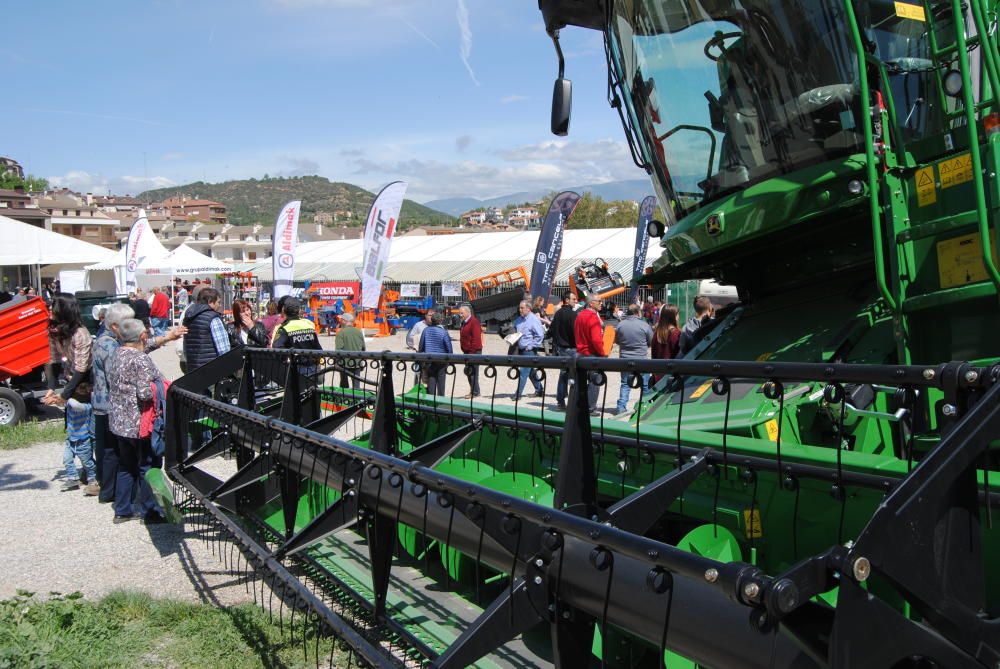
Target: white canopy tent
x=31, y=246
x=110, y=274
x=182, y=261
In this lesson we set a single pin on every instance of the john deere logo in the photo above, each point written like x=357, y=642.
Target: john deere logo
x=714, y=225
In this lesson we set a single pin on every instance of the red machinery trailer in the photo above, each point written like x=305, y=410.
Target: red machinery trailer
x=24, y=350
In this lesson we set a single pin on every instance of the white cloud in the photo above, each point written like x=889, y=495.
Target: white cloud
x=82, y=181
x=462, y=14
x=507, y=99
x=463, y=142
x=301, y=167
x=544, y=166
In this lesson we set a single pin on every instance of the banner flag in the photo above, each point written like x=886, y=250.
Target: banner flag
x=379, y=229
x=132, y=258
x=646, y=210
x=286, y=234
x=550, y=240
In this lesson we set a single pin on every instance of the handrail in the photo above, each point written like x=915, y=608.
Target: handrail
x=974, y=152
x=872, y=174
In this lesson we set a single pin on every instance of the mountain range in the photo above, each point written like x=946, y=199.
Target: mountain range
x=632, y=189
x=257, y=201
x=253, y=201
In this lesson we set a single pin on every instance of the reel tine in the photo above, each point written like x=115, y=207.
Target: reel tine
x=680, y=419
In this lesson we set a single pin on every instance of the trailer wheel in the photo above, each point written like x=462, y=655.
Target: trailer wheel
x=11, y=407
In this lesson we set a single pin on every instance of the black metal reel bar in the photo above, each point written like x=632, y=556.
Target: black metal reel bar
x=910, y=375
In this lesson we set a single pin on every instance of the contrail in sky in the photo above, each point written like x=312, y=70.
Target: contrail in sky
x=87, y=114
x=419, y=32
x=466, y=47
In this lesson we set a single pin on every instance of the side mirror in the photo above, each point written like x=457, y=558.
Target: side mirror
x=562, y=106
x=655, y=228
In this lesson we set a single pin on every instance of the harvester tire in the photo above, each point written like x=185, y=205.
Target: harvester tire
x=12, y=407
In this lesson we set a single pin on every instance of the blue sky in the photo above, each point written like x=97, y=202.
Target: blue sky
x=450, y=95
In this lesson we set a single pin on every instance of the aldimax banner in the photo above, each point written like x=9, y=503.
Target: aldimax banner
x=646, y=210
x=286, y=233
x=380, y=226
x=132, y=259
x=550, y=241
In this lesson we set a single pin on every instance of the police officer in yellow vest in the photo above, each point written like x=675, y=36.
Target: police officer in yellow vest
x=295, y=332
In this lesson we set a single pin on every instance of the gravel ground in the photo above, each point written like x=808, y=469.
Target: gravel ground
x=63, y=541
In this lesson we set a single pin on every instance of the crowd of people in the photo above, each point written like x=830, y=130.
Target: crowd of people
x=108, y=384
x=644, y=330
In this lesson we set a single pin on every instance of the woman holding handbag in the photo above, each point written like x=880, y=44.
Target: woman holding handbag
x=71, y=346
x=130, y=380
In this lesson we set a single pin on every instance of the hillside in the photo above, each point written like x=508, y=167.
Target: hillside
x=251, y=201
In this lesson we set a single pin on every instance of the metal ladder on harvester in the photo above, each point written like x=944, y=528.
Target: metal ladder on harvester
x=895, y=178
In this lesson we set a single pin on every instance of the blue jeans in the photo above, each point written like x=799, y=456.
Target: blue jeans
x=132, y=493
x=83, y=449
x=527, y=372
x=79, y=440
x=160, y=326
x=625, y=391
x=562, y=387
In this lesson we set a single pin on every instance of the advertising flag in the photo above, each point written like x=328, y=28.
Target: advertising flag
x=139, y=229
x=646, y=210
x=286, y=230
x=379, y=229
x=550, y=240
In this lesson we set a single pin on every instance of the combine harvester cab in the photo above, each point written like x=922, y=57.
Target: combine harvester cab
x=810, y=486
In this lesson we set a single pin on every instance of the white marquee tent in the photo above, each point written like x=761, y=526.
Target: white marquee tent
x=462, y=256
x=27, y=245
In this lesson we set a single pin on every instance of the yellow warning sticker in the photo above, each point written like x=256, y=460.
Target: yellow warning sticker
x=907, y=11
x=701, y=390
x=955, y=170
x=960, y=259
x=926, y=192
x=751, y=524
x=772, y=429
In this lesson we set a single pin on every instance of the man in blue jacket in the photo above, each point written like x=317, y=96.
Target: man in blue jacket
x=530, y=328
x=435, y=339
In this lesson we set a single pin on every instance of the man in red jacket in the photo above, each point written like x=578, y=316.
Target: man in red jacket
x=159, y=312
x=471, y=339
x=589, y=332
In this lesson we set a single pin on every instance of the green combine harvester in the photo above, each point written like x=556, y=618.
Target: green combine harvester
x=810, y=486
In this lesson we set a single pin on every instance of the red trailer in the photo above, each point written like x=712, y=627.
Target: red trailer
x=24, y=350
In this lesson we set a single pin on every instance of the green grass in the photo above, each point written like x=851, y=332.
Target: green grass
x=29, y=432
x=129, y=629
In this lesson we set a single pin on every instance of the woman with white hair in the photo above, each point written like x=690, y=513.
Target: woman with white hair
x=105, y=346
x=130, y=380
